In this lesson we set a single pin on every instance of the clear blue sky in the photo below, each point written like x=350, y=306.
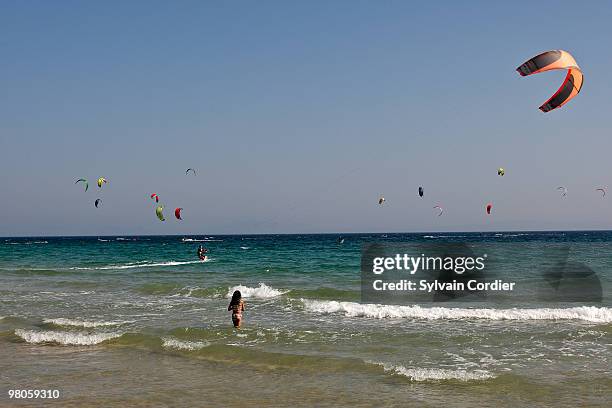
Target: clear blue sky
x=298, y=115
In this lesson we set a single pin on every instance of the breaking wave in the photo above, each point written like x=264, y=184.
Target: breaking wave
x=138, y=265
x=201, y=240
x=263, y=291
x=27, y=243
x=444, y=236
x=172, y=343
x=433, y=374
x=67, y=338
x=376, y=311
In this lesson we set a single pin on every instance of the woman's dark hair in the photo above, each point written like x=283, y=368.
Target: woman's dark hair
x=236, y=297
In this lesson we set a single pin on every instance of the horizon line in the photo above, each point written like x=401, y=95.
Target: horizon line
x=303, y=233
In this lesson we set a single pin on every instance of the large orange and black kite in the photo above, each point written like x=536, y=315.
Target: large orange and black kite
x=556, y=59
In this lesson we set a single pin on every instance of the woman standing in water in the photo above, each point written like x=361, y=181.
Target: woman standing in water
x=237, y=307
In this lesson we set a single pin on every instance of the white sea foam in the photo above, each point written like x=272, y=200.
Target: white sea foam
x=263, y=291
x=176, y=344
x=444, y=236
x=211, y=239
x=84, y=323
x=27, y=243
x=244, y=247
x=433, y=374
x=138, y=265
x=351, y=309
x=69, y=338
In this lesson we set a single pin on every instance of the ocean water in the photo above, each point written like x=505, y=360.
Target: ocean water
x=139, y=321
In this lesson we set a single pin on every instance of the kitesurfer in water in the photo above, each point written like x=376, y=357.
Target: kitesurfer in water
x=237, y=307
x=202, y=252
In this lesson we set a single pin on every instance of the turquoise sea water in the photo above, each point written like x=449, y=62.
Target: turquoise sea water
x=139, y=320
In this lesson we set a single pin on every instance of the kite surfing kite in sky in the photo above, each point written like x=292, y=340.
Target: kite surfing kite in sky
x=190, y=169
x=603, y=190
x=563, y=191
x=489, y=206
x=177, y=213
x=83, y=181
x=556, y=59
x=501, y=171
x=101, y=181
x=155, y=197
x=97, y=202
x=381, y=200
x=439, y=209
x=421, y=192
x=159, y=212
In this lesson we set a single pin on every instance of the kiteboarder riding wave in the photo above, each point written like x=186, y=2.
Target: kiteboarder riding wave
x=202, y=252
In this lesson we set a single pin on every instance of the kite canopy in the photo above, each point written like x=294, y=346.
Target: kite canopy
x=177, y=213
x=501, y=171
x=439, y=209
x=100, y=181
x=381, y=200
x=421, y=192
x=97, y=202
x=159, y=212
x=489, y=206
x=603, y=190
x=556, y=59
x=155, y=197
x=83, y=181
x=563, y=191
x=190, y=169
